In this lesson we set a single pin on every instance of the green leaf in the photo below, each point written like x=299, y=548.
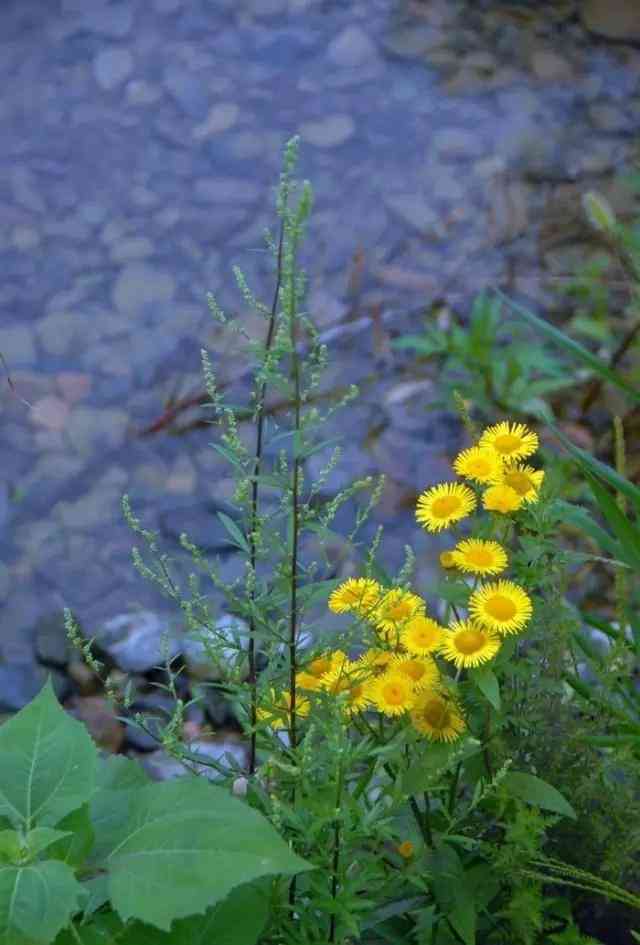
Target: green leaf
x=238, y=920
x=178, y=847
x=104, y=929
x=589, y=464
x=578, y=517
x=486, y=681
x=117, y=773
x=574, y=349
x=43, y=838
x=535, y=791
x=627, y=535
x=47, y=763
x=74, y=848
x=36, y=901
x=234, y=531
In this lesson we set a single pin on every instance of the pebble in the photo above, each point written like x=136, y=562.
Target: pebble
x=140, y=284
x=196, y=646
x=351, y=47
x=98, y=716
x=92, y=428
x=613, y=19
x=141, y=92
x=188, y=91
x=328, y=132
x=114, y=21
x=50, y=412
x=550, y=66
x=221, y=117
x=135, y=641
x=132, y=249
x=111, y=67
x=21, y=682
x=17, y=346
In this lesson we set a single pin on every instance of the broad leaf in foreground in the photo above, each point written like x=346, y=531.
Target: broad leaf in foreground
x=537, y=792
x=48, y=764
x=182, y=846
x=36, y=901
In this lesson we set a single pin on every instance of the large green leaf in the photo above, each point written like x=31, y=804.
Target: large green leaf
x=535, y=791
x=238, y=920
x=486, y=681
x=36, y=901
x=47, y=763
x=76, y=846
x=176, y=848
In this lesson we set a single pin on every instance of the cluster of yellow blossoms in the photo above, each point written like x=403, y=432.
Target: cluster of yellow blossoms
x=495, y=464
x=400, y=673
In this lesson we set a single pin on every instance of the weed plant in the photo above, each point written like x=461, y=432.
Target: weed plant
x=420, y=747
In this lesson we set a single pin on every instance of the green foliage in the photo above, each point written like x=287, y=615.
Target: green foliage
x=82, y=833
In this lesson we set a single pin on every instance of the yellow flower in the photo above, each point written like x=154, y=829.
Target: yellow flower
x=405, y=849
x=446, y=559
x=277, y=713
x=437, y=715
x=355, y=594
x=480, y=557
x=308, y=681
x=468, y=644
x=375, y=662
x=396, y=608
x=337, y=680
x=510, y=440
x=321, y=664
x=480, y=465
x=501, y=498
x=502, y=606
x=392, y=693
x=524, y=480
x=421, y=672
x=443, y=505
x=421, y=635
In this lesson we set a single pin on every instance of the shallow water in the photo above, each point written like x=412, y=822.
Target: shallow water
x=447, y=142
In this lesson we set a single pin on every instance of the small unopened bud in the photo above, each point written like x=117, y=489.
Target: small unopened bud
x=239, y=788
x=405, y=849
x=447, y=560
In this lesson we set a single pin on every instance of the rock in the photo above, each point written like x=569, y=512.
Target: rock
x=60, y=331
x=98, y=716
x=111, y=67
x=409, y=42
x=167, y=6
x=50, y=412
x=196, y=646
x=201, y=523
x=550, y=66
x=606, y=117
x=221, y=117
x=613, y=19
x=25, y=238
x=414, y=211
x=139, y=285
x=458, y=143
x=17, y=346
x=141, y=92
x=114, y=20
x=73, y=385
x=129, y=250
x=53, y=647
x=329, y=132
x=226, y=190
x=188, y=91
x=90, y=428
x=21, y=682
x=351, y=47
x=162, y=767
x=137, y=642
x=83, y=676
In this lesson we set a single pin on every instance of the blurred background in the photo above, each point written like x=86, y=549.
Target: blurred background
x=448, y=143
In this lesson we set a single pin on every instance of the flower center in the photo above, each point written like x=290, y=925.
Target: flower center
x=414, y=670
x=519, y=481
x=480, y=467
x=320, y=666
x=445, y=505
x=469, y=641
x=394, y=693
x=501, y=607
x=480, y=556
x=507, y=443
x=436, y=713
x=398, y=611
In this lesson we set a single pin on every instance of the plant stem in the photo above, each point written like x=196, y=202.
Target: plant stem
x=485, y=750
x=335, y=864
x=257, y=463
